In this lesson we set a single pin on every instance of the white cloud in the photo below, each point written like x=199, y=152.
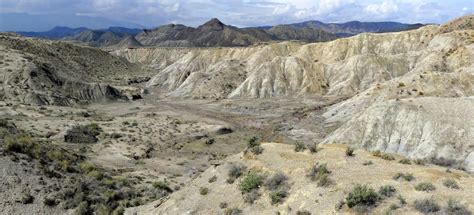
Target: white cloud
x=385, y=8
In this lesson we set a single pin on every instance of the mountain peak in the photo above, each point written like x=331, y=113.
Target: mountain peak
x=214, y=24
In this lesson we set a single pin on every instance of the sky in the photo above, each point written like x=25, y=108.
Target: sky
x=242, y=13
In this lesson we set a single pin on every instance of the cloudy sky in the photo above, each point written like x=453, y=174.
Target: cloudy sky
x=151, y=13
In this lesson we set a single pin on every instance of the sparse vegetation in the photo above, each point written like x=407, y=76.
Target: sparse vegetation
x=455, y=208
x=450, y=183
x=254, y=146
x=83, y=134
x=362, y=195
x=203, y=191
x=210, y=141
x=314, y=148
x=320, y=173
x=232, y=211
x=425, y=186
x=251, y=196
x=405, y=161
x=426, y=206
x=252, y=181
x=278, y=196
x=235, y=170
x=349, y=151
x=299, y=147
x=367, y=163
x=161, y=185
x=384, y=156
x=212, y=179
x=387, y=191
x=404, y=176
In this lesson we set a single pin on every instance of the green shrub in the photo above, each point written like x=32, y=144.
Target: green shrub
x=299, y=147
x=425, y=186
x=324, y=181
x=362, y=195
x=349, y=151
x=450, y=183
x=387, y=191
x=252, y=181
x=203, y=191
x=278, y=196
x=426, y=206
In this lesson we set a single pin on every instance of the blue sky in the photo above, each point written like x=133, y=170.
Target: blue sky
x=151, y=13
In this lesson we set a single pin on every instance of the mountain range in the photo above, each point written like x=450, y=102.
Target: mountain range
x=214, y=33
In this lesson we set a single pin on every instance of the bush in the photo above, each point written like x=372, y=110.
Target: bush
x=83, y=134
x=161, y=185
x=367, y=163
x=406, y=176
x=388, y=157
x=317, y=171
x=454, y=208
x=210, y=141
x=278, y=196
x=425, y=186
x=387, y=191
x=384, y=156
x=405, y=161
x=350, y=151
x=299, y=147
x=212, y=179
x=251, y=196
x=304, y=212
x=232, y=211
x=324, y=181
x=252, y=181
x=253, y=145
x=402, y=200
x=450, y=183
x=277, y=181
x=203, y=191
x=235, y=170
x=419, y=162
x=313, y=148
x=362, y=195
x=426, y=206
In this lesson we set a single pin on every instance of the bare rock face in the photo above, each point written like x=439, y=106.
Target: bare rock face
x=54, y=73
x=423, y=128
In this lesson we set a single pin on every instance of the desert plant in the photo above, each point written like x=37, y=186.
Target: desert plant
x=402, y=200
x=203, y=191
x=235, y=170
x=212, y=179
x=317, y=171
x=426, y=206
x=299, y=147
x=419, y=162
x=405, y=161
x=362, y=195
x=425, y=186
x=161, y=185
x=277, y=181
x=83, y=134
x=278, y=196
x=252, y=181
x=455, y=208
x=251, y=196
x=254, y=146
x=406, y=176
x=313, y=148
x=349, y=151
x=367, y=163
x=232, y=211
x=387, y=157
x=303, y=212
x=387, y=191
x=210, y=141
x=450, y=183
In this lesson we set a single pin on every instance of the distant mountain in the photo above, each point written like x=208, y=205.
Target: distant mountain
x=214, y=33
x=356, y=27
x=28, y=22
x=98, y=38
x=210, y=34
